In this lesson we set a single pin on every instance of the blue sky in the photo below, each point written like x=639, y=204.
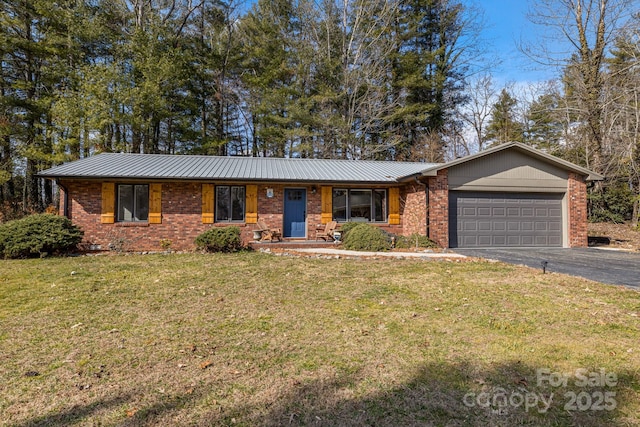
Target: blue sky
x=506, y=24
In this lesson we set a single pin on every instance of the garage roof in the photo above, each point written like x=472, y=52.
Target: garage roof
x=189, y=167
x=541, y=155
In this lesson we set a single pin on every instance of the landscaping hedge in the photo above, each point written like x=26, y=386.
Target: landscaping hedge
x=223, y=239
x=38, y=235
x=414, y=241
x=365, y=237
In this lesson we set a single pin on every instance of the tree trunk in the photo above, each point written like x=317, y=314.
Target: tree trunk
x=31, y=195
x=136, y=140
x=636, y=211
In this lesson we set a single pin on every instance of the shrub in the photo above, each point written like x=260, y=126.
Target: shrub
x=348, y=226
x=413, y=241
x=223, y=239
x=38, y=235
x=613, y=204
x=365, y=237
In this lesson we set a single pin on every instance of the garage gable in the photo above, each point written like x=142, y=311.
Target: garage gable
x=508, y=170
x=513, y=157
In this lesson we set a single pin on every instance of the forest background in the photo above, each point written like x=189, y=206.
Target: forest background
x=347, y=79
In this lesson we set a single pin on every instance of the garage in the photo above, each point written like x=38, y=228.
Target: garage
x=503, y=219
x=509, y=195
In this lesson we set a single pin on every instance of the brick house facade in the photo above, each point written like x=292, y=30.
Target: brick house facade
x=182, y=215
x=416, y=198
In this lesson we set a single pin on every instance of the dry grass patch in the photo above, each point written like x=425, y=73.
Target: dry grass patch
x=252, y=339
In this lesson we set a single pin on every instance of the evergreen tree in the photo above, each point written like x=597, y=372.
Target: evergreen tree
x=34, y=55
x=544, y=130
x=590, y=27
x=269, y=74
x=428, y=71
x=353, y=79
x=212, y=114
x=504, y=126
x=354, y=83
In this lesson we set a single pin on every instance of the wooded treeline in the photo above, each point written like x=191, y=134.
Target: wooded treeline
x=356, y=79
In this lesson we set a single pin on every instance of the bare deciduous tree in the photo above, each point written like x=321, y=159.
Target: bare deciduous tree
x=475, y=114
x=578, y=34
x=359, y=47
x=621, y=114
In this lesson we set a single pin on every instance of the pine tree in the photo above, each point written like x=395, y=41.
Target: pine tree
x=544, y=130
x=269, y=74
x=504, y=126
x=428, y=72
x=35, y=59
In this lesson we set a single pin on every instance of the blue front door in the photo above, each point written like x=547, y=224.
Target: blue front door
x=295, y=212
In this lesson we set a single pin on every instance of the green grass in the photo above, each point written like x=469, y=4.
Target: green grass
x=253, y=339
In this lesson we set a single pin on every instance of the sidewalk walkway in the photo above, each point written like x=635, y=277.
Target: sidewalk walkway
x=344, y=252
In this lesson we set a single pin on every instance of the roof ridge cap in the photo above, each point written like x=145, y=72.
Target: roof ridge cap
x=269, y=158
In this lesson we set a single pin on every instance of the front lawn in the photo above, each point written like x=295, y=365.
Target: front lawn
x=254, y=339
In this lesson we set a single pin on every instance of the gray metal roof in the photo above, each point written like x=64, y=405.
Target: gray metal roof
x=186, y=167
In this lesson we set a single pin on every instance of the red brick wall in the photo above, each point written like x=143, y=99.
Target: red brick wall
x=577, y=211
x=182, y=220
x=181, y=216
x=314, y=208
x=271, y=210
x=61, y=201
x=393, y=229
x=414, y=209
x=439, y=208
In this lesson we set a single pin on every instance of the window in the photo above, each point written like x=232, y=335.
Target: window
x=133, y=202
x=340, y=205
x=380, y=205
x=361, y=205
x=229, y=203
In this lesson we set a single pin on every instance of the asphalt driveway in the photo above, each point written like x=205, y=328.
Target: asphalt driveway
x=601, y=265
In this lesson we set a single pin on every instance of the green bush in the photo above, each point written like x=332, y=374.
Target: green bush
x=220, y=239
x=414, y=240
x=348, y=226
x=38, y=235
x=613, y=204
x=365, y=237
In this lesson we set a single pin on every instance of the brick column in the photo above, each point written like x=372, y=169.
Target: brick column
x=577, y=211
x=414, y=215
x=439, y=208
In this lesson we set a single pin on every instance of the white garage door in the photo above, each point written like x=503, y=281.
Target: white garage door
x=487, y=219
